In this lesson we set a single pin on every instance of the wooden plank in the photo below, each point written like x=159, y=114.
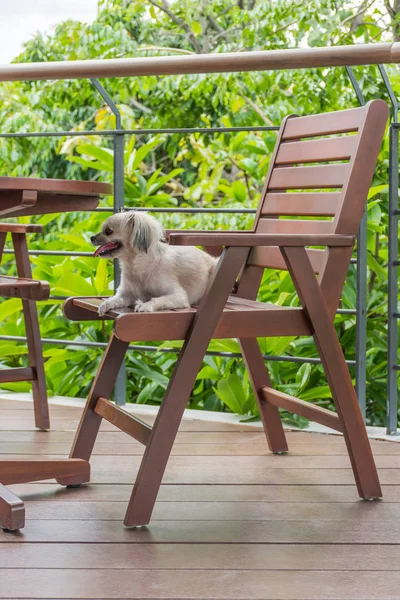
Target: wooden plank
x=18, y=470
x=56, y=186
x=199, y=584
x=300, y=407
x=271, y=258
x=125, y=421
x=311, y=151
x=18, y=287
x=319, y=177
x=255, y=557
x=228, y=448
x=275, y=470
x=204, y=493
x=323, y=204
x=324, y=124
x=17, y=374
x=211, y=532
x=27, y=424
x=190, y=465
x=362, y=513
x=294, y=226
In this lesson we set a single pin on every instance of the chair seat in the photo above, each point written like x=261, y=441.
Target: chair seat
x=27, y=289
x=241, y=318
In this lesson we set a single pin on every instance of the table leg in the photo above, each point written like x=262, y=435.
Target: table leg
x=12, y=510
x=71, y=471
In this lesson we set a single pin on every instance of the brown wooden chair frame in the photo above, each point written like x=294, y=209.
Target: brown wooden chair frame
x=276, y=243
x=273, y=242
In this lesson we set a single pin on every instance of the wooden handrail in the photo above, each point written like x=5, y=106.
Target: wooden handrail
x=268, y=60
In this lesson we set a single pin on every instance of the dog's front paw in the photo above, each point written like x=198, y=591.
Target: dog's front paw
x=145, y=306
x=110, y=304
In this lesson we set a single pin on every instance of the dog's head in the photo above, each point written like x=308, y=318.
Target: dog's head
x=126, y=233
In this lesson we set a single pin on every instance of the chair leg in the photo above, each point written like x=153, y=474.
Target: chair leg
x=162, y=437
x=12, y=510
x=2, y=243
x=169, y=416
x=102, y=386
x=35, y=352
x=348, y=409
x=259, y=377
x=337, y=373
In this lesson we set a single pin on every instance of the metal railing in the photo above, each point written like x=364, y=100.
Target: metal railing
x=345, y=56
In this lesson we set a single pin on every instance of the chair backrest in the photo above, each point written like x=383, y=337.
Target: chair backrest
x=322, y=166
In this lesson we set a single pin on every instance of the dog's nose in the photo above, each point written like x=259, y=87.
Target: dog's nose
x=93, y=239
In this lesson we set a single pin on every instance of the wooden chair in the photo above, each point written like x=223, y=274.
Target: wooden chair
x=30, y=291
x=273, y=242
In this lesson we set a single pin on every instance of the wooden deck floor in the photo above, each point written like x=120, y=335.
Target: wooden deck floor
x=232, y=520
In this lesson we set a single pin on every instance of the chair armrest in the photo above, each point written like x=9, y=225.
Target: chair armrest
x=20, y=228
x=170, y=232
x=260, y=239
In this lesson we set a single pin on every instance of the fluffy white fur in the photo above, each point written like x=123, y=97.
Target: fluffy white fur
x=154, y=275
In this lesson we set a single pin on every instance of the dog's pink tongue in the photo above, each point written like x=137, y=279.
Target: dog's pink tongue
x=105, y=247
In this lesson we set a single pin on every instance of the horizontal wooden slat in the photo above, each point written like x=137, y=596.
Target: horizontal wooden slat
x=201, y=511
x=347, y=531
x=18, y=287
x=339, y=148
x=324, y=124
x=272, y=321
x=119, y=417
x=268, y=320
x=315, y=177
x=20, y=228
x=224, y=447
x=272, y=258
x=56, y=186
x=251, y=239
x=200, y=556
x=296, y=226
x=235, y=470
x=17, y=374
x=323, y=204
x=19, y=470
x=300, y=407
x=153, y=584
x=303, y=493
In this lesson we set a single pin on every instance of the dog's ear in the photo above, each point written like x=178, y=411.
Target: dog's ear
x=146, y=231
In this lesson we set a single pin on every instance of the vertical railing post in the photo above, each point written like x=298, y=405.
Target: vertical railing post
x=393, y=238
x=361, y=316
x=118, y=173
x=361, y=283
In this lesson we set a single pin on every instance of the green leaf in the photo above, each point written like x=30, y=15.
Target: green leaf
x=101, y=277
x=316, y=393
x=10, y=307
x=303, y=376
x=103, y=155
x=75, y=285
x=239, y=191
x=230, y=391
x=196, y=28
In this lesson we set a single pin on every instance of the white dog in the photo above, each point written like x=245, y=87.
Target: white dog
x=155, y=276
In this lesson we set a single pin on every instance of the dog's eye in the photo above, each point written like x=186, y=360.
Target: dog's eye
x=108, y=231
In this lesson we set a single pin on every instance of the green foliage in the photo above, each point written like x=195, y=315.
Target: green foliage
x=189, y=170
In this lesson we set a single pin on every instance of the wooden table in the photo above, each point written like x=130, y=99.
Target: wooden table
x=22, y=196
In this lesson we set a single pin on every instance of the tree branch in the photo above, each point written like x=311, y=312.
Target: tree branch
x=257, y=109
x=164, y=7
